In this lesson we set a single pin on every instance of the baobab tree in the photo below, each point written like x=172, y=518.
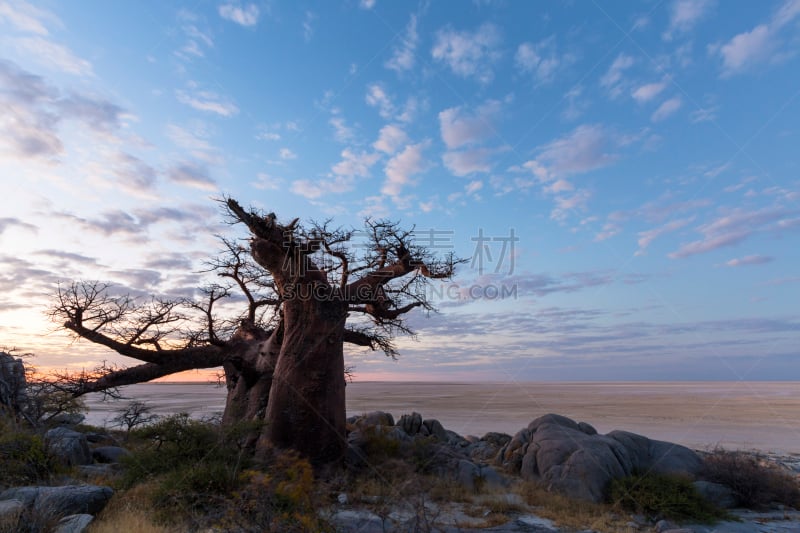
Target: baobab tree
x=305, y=291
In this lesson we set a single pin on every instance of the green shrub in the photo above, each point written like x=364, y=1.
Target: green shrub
x=24, y=457
x=279, y=499
x=171, y=444
x=755, y=482
x=378, y=445
x=663, y=496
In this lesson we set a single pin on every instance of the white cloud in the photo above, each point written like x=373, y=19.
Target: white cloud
x=26, y=17
x=760, y=45
x=566, y=204
x=377, y=97
x=646, y=238
x=341, y=131
x=465, y=162
x=267, y=182
x=401, y=168
x=208, y=102
x=52, y=55
x=749, y=260
x=747, y=49
x=196, y=142
x=469, y=54
x=403, y=55
x=473, y=187
x=390, y=138
x=647, y=92
x=613, y=80
x=666, y=109
x=541, y=59
x=246, y=15
x=684, y=14
x=704, y=114
x=355, y=164
x=584, y=149
x=308, y=27
x=286, y=154
x=735, y=226
x=192, y=176
x=460, y=127
x=409, y=111
x=366, y=4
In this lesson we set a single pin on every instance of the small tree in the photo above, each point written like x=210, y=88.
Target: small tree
x=306, y=290
x=135, y=414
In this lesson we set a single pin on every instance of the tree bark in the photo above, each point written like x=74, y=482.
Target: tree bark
x=306, y=409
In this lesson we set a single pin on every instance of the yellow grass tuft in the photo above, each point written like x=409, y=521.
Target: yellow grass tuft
x=130, y=510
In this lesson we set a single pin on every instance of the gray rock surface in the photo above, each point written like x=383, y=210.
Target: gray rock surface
x=557, y=451
x=109, y=454
x=719, y=495
x=435, y=429
x=60, y=501
x=76, y=523
x=478, y=477
x=10, y=511
x=69, y=446
x=13, y=385
x=411, y=424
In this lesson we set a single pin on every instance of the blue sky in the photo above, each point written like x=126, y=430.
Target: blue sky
x=643, y=155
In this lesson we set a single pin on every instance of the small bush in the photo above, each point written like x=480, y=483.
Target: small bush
x=24, y=457
x=663, y=496
x=378, y=445
x=755, y=482
x=281, y=499
x=174, y=443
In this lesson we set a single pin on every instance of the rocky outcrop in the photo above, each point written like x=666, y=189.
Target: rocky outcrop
x=573, y=459
x=13, y=385
x=70, y=447
x=47, y=503
x=109, y=454
x=76, y=523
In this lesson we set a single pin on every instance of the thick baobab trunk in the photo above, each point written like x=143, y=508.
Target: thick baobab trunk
x=306, y=410
x=248, y=376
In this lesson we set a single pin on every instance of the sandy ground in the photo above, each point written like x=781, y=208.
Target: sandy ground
x=740, y=415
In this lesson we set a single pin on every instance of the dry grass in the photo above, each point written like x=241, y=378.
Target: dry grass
x=130, y=510
x=571, y=513
x=755, y=481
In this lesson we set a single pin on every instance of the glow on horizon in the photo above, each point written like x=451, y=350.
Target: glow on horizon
x=643, y=155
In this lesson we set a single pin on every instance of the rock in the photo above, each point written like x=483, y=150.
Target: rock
x=101, y=470
x=360, y=521
x=69, y=446
x=76, y=523
x=68, y=419
x=342, y=498
x=664, y=525
x=566, y=457
x=435, y=428
x=10, y=511
x=454, y=439
x=13, y=385
x=476, y=477
x=375, y=418
x=486, y=448
x=410, y=423
x=718, y=494
x=109, y=454
x=60, y=501
x=587, y=428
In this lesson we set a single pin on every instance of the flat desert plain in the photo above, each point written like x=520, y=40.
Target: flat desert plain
x=738, y=415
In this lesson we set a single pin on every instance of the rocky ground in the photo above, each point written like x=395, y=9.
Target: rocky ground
x=560, y=455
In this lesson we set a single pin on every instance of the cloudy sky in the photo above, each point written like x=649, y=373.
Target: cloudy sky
x=622, y=177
